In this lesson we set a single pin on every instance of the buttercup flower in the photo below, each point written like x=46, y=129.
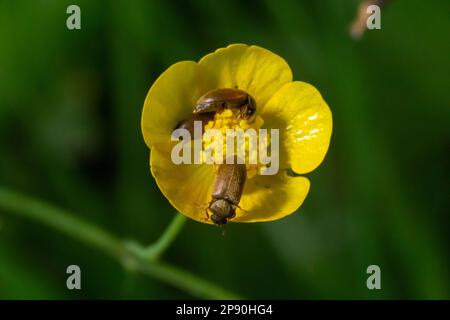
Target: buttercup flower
x=295, y=108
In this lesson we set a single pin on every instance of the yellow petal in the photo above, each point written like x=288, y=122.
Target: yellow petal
x=305, y=124
x=258, y=71
x=171, y=99
x=268, y=198
x=188, y=187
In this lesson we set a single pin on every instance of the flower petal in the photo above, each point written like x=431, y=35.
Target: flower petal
x=268, y=198
x=305, y=124
x=188, y=187
x=171, y=99
x=258, y=71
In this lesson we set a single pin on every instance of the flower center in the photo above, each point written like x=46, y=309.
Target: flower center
x=229, y=135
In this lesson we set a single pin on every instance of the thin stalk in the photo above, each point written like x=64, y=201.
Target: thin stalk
x=69, y=224
x=61, y=220
x=155, y=250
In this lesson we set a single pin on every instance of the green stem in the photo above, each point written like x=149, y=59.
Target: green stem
x=77, y=228
x=186, y=281
x=61, y=220
x=155, y=250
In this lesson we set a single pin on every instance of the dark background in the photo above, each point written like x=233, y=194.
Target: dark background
x=70, y=107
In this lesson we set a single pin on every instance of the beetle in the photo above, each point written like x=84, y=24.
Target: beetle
x=227, y=192
x=188, y=123
x=226, y=98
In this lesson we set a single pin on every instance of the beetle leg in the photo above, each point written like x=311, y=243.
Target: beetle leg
x=205, y=206
x=206, y=210
x=206, y=218
x=239, y=115
x=214, y=124
x=237, y=206
x=241, y=112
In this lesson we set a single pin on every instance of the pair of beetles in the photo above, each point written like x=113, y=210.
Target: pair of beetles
x=230, y=178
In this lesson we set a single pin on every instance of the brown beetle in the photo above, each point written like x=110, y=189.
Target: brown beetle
x=227, y=98
x=188, y=123
x=227, y=192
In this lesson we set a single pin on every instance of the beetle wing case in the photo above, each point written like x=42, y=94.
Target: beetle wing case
x=218, y=98
x=230, y=181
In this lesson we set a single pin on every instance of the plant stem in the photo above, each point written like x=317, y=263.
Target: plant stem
x=90, y=234
x=61, y=220
x=186, y=281
x=155, y=250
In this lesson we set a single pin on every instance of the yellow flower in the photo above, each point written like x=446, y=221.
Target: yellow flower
x=295, y=108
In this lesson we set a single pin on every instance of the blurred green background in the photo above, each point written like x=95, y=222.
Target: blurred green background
x=70, y=107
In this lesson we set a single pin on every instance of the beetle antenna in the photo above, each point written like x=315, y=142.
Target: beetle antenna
x=201, y=205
